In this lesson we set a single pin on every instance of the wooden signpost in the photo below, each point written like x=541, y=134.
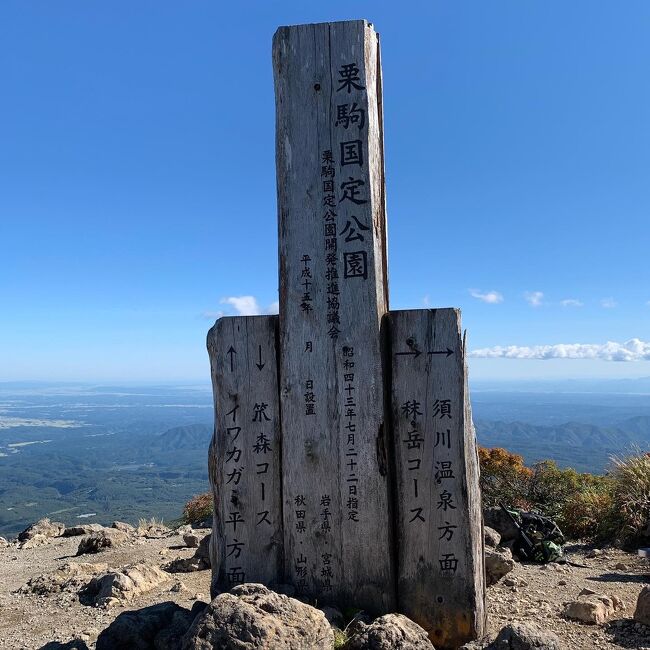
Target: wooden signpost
x=440, y=536
x=244, y=455
x=344, y=460
x=332, y=297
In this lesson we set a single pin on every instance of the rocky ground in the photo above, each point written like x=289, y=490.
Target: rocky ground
x=32, y=620
x=538, y=593
x=51, y=598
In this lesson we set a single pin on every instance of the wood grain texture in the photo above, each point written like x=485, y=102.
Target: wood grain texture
x=245, y=453
x=440, y=538
x=332, y=233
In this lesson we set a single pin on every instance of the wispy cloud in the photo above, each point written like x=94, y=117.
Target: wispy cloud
x=571, y=302
x=241, y=306
x=426, y=301
x=212, y=315
x=632, y=350
x=608, y=303
x=491, y=297
x=534, y=298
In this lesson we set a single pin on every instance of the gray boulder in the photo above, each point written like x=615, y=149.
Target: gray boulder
x=492, y=538
x=82, y=529
x=159, y=627
x=125, y=584
x=68, y=577
x=498, y=563
x=593, y=608
x=252, y=617
x=498, y=520
x=100, y=540
x=200, y=561
x=389, y=632
x=191, y=539
x=642, y=611
x=43, y=527
x=525, y=636
x=125, y=528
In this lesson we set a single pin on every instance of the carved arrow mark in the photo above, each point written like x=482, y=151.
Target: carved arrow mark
x=231, y=353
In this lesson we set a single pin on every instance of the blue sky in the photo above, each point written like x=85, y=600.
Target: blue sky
x=137, y=179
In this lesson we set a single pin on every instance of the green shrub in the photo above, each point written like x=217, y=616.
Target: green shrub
x=631, y=496
x=550, y=487
x=587, y=514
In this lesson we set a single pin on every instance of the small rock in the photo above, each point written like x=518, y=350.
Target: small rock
x=43, y=527
x=153, y=530
x=125, y=528
x=594, y=609
x=200, y=561
x=191, y=539
x=160, y=626
x=642, y=611
x=621, y=567
x=34, y=541
x=594, y=553
x=525, y=636
x=390, y=632
x=495, y=518
x=126, y=584
x=67, y=578
x=3, y=542
x=261, y=617
x=492, y=538
x=105, y=538
x=562, y=583
x=498, y=563
x=82, y=529
x=178, y=587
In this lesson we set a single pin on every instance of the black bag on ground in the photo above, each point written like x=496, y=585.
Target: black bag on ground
x=540, y=538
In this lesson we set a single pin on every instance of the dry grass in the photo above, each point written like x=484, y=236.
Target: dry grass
x=631, y=476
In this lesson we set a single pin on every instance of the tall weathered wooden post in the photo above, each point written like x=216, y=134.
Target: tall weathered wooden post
x=440, y=535
x=332, y=238
x=344, y=459
x=244, y=458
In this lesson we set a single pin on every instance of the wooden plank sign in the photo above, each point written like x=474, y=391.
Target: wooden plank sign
x=244, y=458
x=333, y=294
x=440, y=536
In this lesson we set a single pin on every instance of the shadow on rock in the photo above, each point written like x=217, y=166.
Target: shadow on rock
x=158, y=627
x=69, y=645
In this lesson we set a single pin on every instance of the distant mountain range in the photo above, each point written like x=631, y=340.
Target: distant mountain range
x=191, y=436
x=585, y=447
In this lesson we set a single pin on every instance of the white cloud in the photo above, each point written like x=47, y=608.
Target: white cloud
x=608, y=303
x=241, y=306
x=426, y=301
x=491, y=297
x=572, y=302
x=632, y=350
x=534, y=298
